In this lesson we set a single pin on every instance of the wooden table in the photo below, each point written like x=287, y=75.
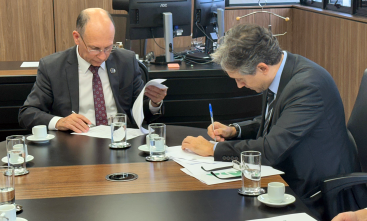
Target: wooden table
x=67, y=182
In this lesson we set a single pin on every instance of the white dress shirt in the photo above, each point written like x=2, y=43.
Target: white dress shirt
x=86, y=101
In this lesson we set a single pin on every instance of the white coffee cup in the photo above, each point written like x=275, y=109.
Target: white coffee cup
x=39, y=131
x=148, y=140
x=276, y=192
x=8, y=212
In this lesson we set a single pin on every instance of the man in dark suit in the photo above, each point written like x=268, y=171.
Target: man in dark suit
x=302, y=129
x=89, y=82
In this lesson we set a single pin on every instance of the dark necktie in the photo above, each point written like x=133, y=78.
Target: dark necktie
x=99, y=103
x=270, y=103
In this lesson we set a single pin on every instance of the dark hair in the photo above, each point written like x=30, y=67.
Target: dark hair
x=83, y=19
x=245, y=46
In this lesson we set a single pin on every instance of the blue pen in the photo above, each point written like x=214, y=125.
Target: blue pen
x=211, y=116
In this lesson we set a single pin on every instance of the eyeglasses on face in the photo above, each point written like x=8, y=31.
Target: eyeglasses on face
x=95, y=51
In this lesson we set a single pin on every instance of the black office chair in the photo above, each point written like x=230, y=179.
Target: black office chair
x=350, y=187
x=144, y=72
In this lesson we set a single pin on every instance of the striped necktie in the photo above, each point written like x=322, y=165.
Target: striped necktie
x=270, y=103
x=98, y=96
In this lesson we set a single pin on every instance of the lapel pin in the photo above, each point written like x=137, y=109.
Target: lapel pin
x=112, y=70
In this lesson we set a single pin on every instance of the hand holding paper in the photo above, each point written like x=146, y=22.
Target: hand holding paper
x=137, y=110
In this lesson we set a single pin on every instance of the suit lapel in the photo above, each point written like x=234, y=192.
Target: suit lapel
x=114, y=80
x=72, y=75
x=287, y=74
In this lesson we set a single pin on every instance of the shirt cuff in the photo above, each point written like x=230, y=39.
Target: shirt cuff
x=215, y=146
x=52, y=123
x=239, y=132
x=155, y=110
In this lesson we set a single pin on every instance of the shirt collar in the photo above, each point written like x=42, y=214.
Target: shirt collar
x=275, y=84
x=84, y=65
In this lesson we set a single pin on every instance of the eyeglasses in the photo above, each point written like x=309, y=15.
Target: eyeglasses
x=95, y=51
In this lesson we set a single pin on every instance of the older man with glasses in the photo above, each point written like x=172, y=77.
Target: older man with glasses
x=88, y=82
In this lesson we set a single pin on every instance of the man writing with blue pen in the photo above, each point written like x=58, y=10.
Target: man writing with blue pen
x=302, y=129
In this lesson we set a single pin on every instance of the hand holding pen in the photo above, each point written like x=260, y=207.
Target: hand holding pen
x=75, y=122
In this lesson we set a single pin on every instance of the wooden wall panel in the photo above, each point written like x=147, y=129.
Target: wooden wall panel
x=66, y=14
x=336, y=44
x=27, y=29
x=278, y=24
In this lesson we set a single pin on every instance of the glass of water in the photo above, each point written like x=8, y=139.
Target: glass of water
x=251, y=173
x=17, y=154
x=157, y=139
x=7, y=191
x=118, y=132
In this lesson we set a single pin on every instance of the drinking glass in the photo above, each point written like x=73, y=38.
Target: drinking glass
x=7, y=191
x=118, y=132
x=251, y=173
x=157, y=139
x=17, y=154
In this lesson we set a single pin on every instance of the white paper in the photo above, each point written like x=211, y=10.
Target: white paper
x=29, y=64
x=291, y=217
x=177, y=152
x=137, y=111
x=103, y=131
x=193, y=164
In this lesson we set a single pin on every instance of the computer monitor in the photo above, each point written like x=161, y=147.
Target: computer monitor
x=157, y=19
x=208, y=21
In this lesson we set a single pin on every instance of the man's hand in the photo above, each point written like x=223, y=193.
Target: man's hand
x=221, y=131
x=360, y=215
x=75, y=122
x=155, y=94
x=198, y=145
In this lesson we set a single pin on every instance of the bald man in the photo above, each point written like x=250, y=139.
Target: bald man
x=89, y=82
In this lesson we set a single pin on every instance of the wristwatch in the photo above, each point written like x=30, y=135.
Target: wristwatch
x=237, y=127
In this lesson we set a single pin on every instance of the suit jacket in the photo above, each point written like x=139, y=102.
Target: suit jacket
x=56, y=90
x=308, y=138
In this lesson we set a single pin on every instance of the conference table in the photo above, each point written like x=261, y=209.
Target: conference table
x=67, y=181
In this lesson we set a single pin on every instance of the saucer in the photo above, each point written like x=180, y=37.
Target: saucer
x=20, y=219
x=20, y=160
x=40, y=140
x=288, y=199
x=145, y=148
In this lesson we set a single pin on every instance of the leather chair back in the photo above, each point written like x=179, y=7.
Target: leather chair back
x=144, y=72
x=357, y=124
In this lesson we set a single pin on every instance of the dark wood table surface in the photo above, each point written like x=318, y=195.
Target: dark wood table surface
x=67, y=182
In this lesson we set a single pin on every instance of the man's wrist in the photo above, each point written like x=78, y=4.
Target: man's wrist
x=157, y=104
x=237, y=130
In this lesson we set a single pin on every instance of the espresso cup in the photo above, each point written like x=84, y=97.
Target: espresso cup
x=39, y=131
x=8, y=212
x=276, y=192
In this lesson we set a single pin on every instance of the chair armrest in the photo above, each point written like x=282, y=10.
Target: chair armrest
x=331, y=187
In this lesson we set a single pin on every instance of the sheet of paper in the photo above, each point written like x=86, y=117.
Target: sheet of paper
x=29, y=64
x=193, y=164
x=104, y=131
x=177, y=152
x=137, y=111
x=291, y=217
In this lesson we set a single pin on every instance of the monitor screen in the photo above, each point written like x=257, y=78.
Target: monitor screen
x=205, y=16
x=146, y=17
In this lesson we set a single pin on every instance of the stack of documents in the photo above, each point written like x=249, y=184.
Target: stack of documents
x=193, y=165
